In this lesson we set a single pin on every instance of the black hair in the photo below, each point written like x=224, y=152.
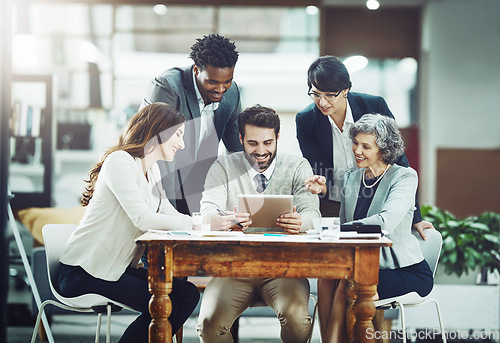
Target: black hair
x=259, y=116
x=214, y=50
x=328, y=74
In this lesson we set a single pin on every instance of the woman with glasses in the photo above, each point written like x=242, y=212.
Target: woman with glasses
x=323, y=132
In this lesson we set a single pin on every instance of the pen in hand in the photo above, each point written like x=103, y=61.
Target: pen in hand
x=234, y=221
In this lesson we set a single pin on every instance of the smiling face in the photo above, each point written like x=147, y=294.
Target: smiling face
x=213, y=82
x=174, y=143
x=366, y=151
x=328, y=103
x=259, y=145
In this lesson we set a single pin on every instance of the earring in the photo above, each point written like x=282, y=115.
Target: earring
x=345, y=96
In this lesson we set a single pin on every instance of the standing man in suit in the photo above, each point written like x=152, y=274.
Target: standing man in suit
x=209, y=99
x=323, y=132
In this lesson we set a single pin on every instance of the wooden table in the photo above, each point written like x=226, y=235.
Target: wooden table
x=259, y=256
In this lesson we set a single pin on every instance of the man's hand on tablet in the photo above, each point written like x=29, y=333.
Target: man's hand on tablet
x=290, y=222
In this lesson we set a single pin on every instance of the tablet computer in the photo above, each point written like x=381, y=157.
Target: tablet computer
x=265, y=209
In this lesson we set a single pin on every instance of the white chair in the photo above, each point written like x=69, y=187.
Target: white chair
x=55, y=237
x=314, y=298
x=431, y=249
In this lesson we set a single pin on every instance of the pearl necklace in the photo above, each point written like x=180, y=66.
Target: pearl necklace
x=379, y=178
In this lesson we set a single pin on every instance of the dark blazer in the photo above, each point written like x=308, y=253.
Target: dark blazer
x=175, y=87
x=314, y=133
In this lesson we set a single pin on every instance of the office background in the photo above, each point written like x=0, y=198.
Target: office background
x=436, y=63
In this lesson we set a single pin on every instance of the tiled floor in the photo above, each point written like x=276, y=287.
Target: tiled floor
x=80, y=328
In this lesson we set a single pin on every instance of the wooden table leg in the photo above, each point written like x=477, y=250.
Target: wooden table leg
x=349, y=313
x=160, y=286
x=364, y=310
x=365, y=288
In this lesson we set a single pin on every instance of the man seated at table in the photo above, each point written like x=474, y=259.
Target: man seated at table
x=258, y=169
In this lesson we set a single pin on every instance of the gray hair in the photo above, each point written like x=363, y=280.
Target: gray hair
x=388, y=137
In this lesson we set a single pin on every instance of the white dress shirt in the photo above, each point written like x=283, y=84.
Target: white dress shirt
x=343, y=156
x=268, y=173
x=207, y=116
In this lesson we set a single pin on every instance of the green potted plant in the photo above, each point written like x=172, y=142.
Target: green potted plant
x=468, y=243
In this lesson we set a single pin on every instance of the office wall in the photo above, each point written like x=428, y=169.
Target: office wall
x=460, y=83
x=389, y=32
x=460, y=194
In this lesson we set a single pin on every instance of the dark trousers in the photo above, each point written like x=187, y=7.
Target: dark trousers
x=395, y=282
x=130, y=289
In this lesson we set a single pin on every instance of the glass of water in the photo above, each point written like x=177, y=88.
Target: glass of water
x=205, y=223
x=197, y=221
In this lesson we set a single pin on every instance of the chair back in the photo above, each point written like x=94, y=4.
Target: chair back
x=431, y=247
x=55, y=237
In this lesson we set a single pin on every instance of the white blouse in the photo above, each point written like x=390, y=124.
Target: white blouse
x=124, y=206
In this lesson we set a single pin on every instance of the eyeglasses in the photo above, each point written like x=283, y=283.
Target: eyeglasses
x=328, y=97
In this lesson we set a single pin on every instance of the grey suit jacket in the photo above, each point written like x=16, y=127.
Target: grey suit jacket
x=392, y=208
x=184, y=178
x=175, y=87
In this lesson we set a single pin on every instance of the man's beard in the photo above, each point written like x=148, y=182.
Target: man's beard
x=260, y=166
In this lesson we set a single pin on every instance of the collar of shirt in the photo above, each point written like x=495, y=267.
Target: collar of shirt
x=348, y=114
x=213, y=106
x=268, y=173
x=349, y=120
x=342, y=153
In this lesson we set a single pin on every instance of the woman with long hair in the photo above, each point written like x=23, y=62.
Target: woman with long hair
x=124, y=199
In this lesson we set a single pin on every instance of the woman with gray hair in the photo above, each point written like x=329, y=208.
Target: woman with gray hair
x=382, y=193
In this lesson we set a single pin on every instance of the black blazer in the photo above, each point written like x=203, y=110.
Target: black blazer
x=314, y=133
